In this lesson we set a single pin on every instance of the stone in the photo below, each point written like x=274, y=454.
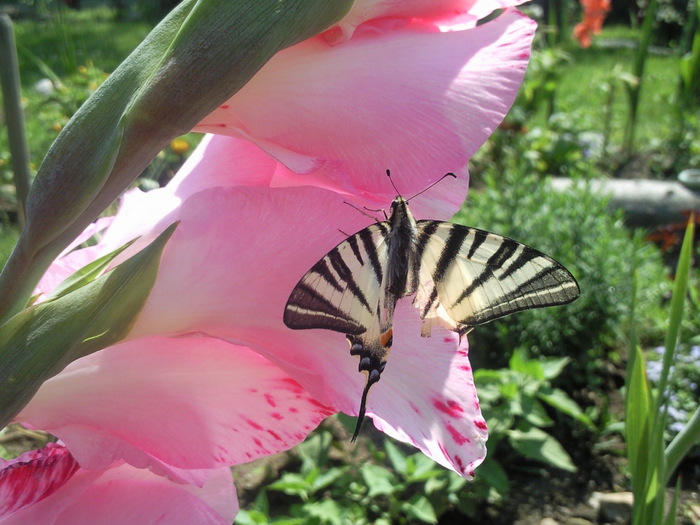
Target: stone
x=613, y=507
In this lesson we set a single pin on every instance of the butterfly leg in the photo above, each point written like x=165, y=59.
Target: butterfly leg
x=373, y=354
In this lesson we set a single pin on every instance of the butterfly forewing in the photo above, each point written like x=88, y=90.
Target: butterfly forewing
x=341, y=291
x=474, y=276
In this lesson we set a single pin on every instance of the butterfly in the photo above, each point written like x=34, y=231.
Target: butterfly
x=461, y=277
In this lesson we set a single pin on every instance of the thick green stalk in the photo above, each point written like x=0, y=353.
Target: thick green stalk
x=194, y=60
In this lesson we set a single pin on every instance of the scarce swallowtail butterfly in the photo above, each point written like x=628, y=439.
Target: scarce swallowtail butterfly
x=461, y=277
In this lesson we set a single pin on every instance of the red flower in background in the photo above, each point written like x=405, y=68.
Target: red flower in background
x=594, y=12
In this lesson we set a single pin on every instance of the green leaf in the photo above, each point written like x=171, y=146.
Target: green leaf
x=424, y=468
x=41, y=340
x=314, y=451
x=553, y=367
x=436, y=484
x=537, y=444
x=261, y=503
x=289, y=521
x=293, y=484
x=529, y=367
x=251, y=517
x=638, y=425
x=327, y=478
x=87, y=273
x=420, y=508
x=492, y=473
x=560, y=400
x=379, y=480
x=499, y=420
x=534, y=413
x=327, y=511
x=396, y=457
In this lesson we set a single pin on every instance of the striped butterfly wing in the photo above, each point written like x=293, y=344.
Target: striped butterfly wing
x=341, y=292
x=469, y=277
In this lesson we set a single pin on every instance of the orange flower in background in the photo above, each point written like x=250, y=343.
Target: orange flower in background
x=179, y=146
x=594, y=12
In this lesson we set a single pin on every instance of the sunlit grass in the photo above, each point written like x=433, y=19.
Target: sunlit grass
x=80, y=37
x=584, y=81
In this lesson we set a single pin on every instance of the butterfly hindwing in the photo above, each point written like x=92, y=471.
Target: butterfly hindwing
x=341, y=292
x=469, y=277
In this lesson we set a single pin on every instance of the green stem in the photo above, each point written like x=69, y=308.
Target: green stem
x=633, y=90
x=11, y=90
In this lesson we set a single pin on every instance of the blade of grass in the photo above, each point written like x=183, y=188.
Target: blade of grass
x=657, y=457
x=637, y=432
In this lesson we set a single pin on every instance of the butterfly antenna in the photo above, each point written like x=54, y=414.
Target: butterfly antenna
x=450, y=174
x=388, y=174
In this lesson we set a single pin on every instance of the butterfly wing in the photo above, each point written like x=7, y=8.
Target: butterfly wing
x=341, y=292
x=469, y=277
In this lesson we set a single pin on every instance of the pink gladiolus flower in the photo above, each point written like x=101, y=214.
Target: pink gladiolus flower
x=411, y=97
x=209, y=375
x=47, y=486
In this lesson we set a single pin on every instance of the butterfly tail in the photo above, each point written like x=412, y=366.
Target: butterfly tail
x=372, y=378
x=373, y=352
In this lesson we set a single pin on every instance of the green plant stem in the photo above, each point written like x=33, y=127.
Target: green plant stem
x=678, y=298
x=686, y=439
x=633, y=89
x=9, y=77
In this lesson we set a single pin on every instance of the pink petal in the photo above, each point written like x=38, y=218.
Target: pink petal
x=122, y=494
x=191, y=402
x=247, y=248
x=421, y=107
x=427, y=397
x=215, y=161
x=33, y=476
x=435, y=10
x=268, y=222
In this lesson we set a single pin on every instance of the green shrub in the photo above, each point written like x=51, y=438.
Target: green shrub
x=393, y=484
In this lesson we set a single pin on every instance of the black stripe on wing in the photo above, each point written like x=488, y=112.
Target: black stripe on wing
x=480, y=276
x=341, y=291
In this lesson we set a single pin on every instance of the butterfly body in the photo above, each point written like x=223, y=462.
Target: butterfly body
x=461, y=277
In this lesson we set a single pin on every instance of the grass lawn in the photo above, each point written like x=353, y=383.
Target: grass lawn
x=581, y=91
x=73, y=39
x=584, y=81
